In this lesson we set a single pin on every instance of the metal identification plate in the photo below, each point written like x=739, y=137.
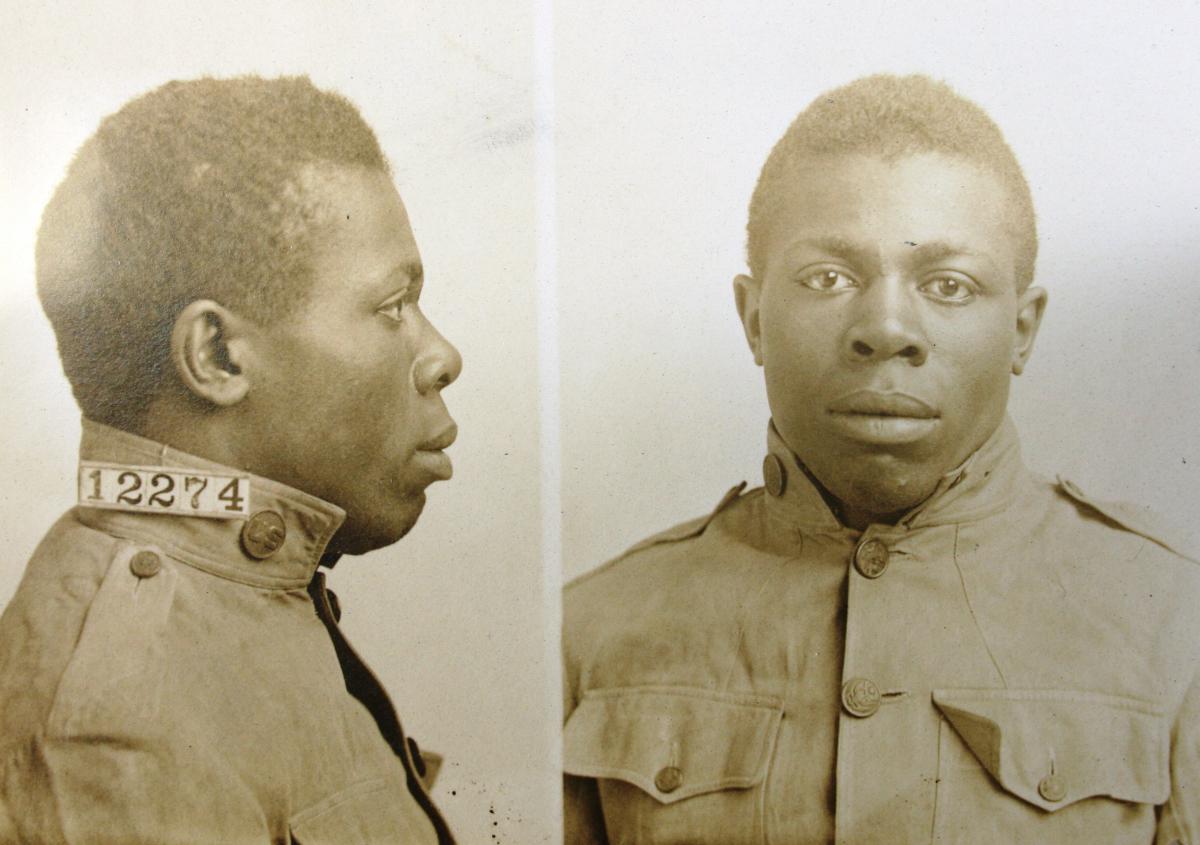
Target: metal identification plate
x=184, y=492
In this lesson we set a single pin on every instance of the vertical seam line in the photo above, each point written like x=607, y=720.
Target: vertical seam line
x=962, y=581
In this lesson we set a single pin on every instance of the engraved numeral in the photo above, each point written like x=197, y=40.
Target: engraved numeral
x=190, y=482
x=161, y=486
x=232, y=494
x=126, y=495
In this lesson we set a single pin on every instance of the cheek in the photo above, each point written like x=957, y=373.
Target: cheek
x=352, y=390
x=981, y=355
x=797, y=344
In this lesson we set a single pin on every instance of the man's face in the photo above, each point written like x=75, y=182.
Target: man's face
x=888, y=322
x=346, y=392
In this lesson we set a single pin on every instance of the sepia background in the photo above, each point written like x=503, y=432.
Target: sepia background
x=630, y=350
x=452, y=617
x=663, y=119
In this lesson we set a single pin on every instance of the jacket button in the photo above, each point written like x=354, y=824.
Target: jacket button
x=774, y=475
x=1053, y=788
x=145, y=564
x=668, y=779
x=860, y=697
x=871, y=558
x=263, y=534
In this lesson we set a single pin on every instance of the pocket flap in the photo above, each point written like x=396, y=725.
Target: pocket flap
x=1053, y=748
x=367, y=812
x=672, y=742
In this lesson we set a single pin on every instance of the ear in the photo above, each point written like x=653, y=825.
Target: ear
x=1030, y=306
x=746, y=293
x=207, y=344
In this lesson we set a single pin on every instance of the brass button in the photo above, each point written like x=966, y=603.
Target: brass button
x=668, y=779
x=1053, y=788
x=774, y=475
x=145, y=564
x=263, y=534
x=871, y=558
x=860, y=697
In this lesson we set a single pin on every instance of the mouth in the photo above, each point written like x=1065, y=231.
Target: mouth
x=431, y=457
x=883, y=417
x=442, y=440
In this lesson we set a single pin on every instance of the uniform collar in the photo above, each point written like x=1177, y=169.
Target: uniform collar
x=983, y=484
x=215, y=545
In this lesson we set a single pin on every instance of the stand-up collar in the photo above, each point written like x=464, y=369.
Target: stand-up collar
x=218, y=546
x=983, y=484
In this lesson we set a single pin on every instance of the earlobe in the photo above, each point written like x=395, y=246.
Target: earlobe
x=747, y=293
x=1030, y=306
x=205, y=346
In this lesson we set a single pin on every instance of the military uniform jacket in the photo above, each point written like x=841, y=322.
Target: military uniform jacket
x=1011, y=662
x=161, y=684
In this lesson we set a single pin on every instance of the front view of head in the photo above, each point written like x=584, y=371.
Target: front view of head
x=891, y=246
x=229, y=269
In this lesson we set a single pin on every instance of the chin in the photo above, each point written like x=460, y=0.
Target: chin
x=358, y=535
x=884, y=490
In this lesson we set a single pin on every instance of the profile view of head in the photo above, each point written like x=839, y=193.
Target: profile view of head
x=891, y=245
x=229, y=270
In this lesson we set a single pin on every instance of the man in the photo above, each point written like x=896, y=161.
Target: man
x=234, y=286
x=903, y=636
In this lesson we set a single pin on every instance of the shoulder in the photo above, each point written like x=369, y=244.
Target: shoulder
x=674, y=539
x=81, y=636
x=654, y=577
x=1125, y=522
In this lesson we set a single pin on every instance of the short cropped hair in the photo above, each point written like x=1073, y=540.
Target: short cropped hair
x=891, y=117
x=200, y=189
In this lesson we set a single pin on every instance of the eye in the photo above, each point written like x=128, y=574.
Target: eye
x=828, y=281
x=393, y=309
x=394, y=306
x=949, y=289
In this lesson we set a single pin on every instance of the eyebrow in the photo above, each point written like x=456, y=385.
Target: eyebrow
x=937, y=250
x=412, y=272
x=415, y=271
x=838, y=247
x=923, y=253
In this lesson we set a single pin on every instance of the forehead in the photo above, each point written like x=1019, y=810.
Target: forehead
x=880, y=203
x=361, y=237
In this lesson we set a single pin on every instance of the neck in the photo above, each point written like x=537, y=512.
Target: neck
x=206, y=433
x=850, y=515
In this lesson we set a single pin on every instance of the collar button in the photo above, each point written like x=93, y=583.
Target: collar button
x=263, y=534
x=871, y=558
x=774, y=475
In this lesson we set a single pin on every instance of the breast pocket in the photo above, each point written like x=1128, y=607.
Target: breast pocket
x=1049, y=766
x=675, y=765
x=369, y=812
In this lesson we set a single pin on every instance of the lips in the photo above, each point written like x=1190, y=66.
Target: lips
x=883, y=417
x=442, y=440
x=876, y=403
x=432, y=459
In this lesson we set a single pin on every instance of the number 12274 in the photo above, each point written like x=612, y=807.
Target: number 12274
x=163, y=490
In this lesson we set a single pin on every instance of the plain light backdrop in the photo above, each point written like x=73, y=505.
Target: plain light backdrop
x=663, y=121
x=451, y=617
x=663, y=114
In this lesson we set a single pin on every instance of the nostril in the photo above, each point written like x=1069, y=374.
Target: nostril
x=915, y=355
x=862, y=349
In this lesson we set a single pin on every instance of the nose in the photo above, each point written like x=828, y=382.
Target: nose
x=438, y=363
x=886, y=324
